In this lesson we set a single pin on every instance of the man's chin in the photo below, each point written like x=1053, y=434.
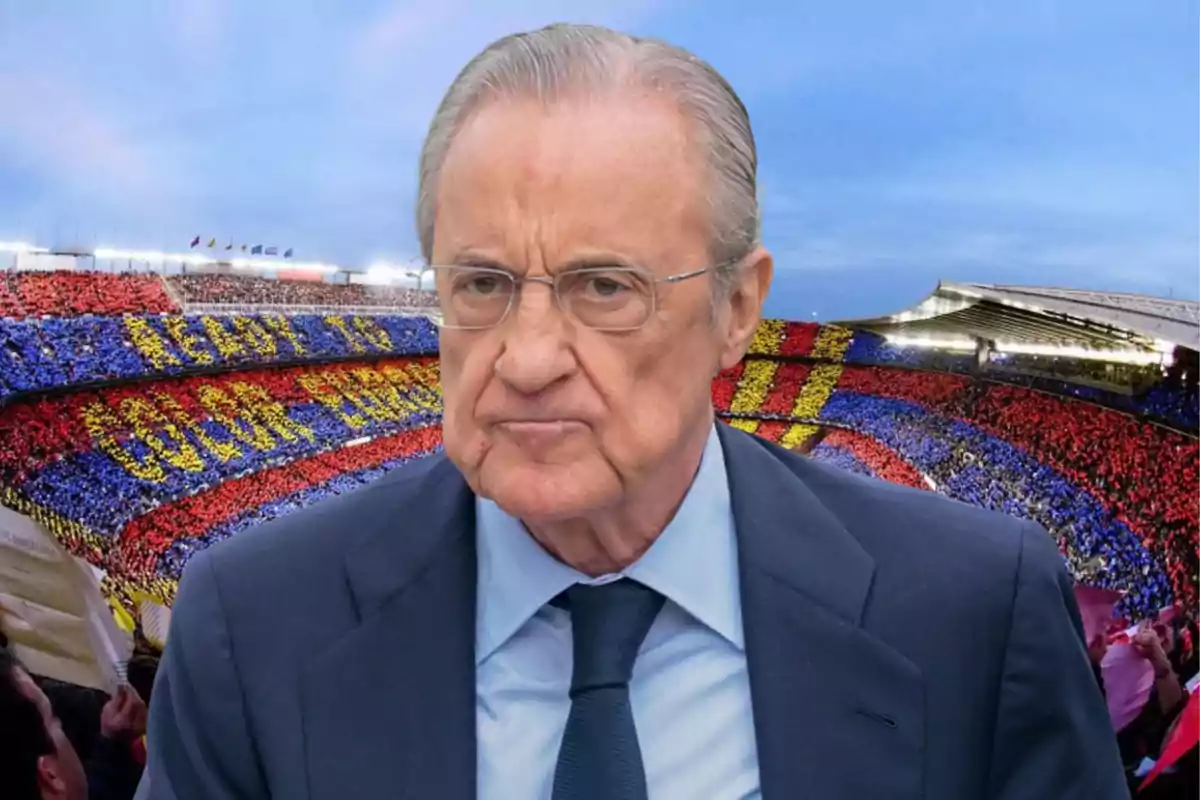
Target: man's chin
x=546, y=492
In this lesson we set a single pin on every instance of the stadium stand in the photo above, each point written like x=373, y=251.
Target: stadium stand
x=63, y=294
x=59, y=352
x=143, y=419
x=243, y=290
x=865, y=455
x=141, y=431
x=1110, y=470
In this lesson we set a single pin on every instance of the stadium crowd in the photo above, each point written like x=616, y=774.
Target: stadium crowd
x=1176, y=405
x=74, y=293
x=1083, y=472
x=870, y=457
x=66, y=294
x=140, y=465
x=1143, y=477
x=38, y=355
x=980, y=469
x=157, y=470
x=250, y=290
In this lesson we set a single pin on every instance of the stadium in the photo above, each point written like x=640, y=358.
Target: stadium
x=153, y=405
x=198, y=405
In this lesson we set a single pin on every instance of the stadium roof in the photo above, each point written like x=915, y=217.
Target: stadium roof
x=1037, y=315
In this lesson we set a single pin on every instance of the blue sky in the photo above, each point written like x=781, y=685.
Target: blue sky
x=1025, y=141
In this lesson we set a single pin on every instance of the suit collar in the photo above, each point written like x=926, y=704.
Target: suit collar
x=389, y=709
x=418, y=520
x=805, y=583
x=787, y=534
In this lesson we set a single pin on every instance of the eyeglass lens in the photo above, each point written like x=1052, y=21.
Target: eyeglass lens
x=604, y=298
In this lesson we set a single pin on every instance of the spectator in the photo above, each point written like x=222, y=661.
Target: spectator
x=37, y=760
x=257, y=291
x=1174, y=403
x=70, y=293
x=54, y=353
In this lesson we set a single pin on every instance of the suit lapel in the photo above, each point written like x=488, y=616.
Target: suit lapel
x=837, y=713
x=389, y=710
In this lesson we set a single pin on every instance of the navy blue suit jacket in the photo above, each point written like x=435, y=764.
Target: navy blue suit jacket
x=900, y=645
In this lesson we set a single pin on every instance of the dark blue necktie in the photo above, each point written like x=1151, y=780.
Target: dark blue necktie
x=600, y=758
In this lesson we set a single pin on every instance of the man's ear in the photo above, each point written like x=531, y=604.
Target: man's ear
x=744, y=306
x=50, y=777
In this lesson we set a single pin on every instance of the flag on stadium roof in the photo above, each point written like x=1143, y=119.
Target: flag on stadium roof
x=195, y=241
x=287, y=253
x=212, y=242
x=272, y=251
x=256, y=250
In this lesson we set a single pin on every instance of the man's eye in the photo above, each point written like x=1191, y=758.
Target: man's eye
x=482, y=285
x=602, y=286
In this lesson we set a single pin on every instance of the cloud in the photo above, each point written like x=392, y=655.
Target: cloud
x=198, y=28
x=69, y=139
x=385, y=39
x=986, y=216
x=908, y=141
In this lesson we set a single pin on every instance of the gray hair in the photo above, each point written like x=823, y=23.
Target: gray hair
x=546, y=63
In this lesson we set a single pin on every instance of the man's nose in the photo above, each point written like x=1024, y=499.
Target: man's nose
x=536, y=352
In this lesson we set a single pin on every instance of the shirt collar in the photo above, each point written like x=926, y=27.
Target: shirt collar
x=693, y=563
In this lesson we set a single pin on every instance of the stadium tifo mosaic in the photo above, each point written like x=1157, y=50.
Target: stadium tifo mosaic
x=267, y=336
x=138, y=476
x=48, y=354
x=758, y=377
x=245, y=417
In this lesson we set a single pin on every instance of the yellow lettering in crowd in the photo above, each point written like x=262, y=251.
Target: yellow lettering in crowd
x=257, y=403
x=382, y=391
x=189, y=343
x=319, y=387
x=385, y=395
x=225, y=342
x=411, y=387
x=397, y=376
x=149, y=343
x=362, y=397
x=175, y=437
x=281, y=327
x=224, y=409
x=101, y=423
x=411, y=373
x=428, y=381
x=432, y=381
x=148, y=422
x=419, y=383
x=255, y=335
x=344, y=329
x=222, y=450
x=427, y=373
x=373, y=333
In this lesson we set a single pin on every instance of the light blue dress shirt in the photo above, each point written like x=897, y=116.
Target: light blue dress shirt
x=690, y=690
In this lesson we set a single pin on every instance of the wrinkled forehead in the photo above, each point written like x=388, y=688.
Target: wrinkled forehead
x=535, y=184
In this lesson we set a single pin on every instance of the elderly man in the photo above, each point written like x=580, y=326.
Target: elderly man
x=597, y=592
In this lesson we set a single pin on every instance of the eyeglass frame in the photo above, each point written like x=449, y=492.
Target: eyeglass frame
x=550, y=282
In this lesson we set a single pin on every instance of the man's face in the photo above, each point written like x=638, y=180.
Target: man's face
x=547, y=417
x=61, y=774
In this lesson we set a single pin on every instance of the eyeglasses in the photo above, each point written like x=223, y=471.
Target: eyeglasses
x=601, y=298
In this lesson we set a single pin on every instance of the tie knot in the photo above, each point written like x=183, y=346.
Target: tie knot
x=608, y=625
